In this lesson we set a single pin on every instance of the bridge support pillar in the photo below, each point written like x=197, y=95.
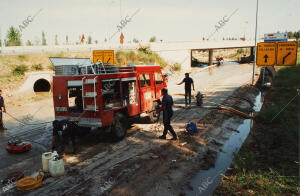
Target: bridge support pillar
x=210, y=57
x=252, y=53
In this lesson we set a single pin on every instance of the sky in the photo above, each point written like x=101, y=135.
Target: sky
x=167, y=20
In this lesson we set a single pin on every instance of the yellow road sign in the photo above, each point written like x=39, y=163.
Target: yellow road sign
x=266, y=54
x=287, y=53
x=105, y=56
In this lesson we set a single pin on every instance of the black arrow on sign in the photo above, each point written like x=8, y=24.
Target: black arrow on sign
x=266, y=58
x=283, y=60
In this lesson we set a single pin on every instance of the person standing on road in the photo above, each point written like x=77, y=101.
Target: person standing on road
x=167, y=103
x=63, y=131
x=188, y=82
x=2, y=108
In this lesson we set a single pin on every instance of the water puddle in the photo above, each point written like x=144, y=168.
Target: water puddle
x=231, y=63
x=205, y=181
x=203, y=65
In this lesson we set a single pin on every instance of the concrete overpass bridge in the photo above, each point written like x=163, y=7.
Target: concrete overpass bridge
x=180, y=52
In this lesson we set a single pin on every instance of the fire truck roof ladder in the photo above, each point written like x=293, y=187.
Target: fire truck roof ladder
x=88, y=95
x=113, y=69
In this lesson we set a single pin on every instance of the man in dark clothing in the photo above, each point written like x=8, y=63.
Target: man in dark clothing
x=188, y=82
x=2, y=108
x=167, y=103
x=63, y=131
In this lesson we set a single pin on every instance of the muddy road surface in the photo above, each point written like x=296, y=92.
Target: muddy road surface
x=141, y=164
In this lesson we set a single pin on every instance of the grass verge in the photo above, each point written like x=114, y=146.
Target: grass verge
x=268, y=162
x=144, y=55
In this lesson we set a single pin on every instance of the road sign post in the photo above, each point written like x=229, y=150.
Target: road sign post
x=266, y=54
x=255, y=40
x=105, y=56
x=277, y=53
x=276, y=37
x=287, y=53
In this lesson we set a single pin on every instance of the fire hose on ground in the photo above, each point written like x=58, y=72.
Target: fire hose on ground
x=221, y=107
x=224, y=107
x=30, y=183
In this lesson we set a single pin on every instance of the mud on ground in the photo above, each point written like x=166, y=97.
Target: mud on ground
x=141, y=164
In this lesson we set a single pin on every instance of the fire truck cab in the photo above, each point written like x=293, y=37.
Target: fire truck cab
x=102, y=95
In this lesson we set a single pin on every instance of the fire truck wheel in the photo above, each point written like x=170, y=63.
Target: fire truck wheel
x=119, y=126
x=153, y=116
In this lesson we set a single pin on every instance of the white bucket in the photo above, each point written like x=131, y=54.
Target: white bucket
x=46, y=157
x=56, y=167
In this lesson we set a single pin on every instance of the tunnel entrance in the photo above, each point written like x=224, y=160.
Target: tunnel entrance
x=41, y=85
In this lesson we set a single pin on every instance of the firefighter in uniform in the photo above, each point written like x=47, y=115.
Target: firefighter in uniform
x=2, y=105
x=63, y=131
x=167, y=103
x=188, y=82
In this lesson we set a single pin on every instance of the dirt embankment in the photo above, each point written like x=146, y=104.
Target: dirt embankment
x=268, y=162
x=13, y=67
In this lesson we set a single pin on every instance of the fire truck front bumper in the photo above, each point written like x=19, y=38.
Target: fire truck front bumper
x=84, y=122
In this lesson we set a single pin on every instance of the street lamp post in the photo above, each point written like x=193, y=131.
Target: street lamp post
x=246, y=22
x=255, y=43
x=1, y=41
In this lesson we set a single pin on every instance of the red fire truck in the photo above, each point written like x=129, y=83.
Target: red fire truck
x=102, y=95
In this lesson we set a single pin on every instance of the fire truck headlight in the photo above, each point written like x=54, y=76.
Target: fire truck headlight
x=59, y=97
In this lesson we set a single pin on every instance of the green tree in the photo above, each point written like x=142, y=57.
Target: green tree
x=135, y=40
x=56, y=40
x=67, y=39
x=297, y=35
x=153, y=39
x=13, y=37
x=29, y=43
x=44, y=42
x=89, y=39
x=291, y=35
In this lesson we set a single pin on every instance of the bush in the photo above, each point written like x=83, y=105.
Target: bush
x=51, y=67
x=19, y=70
x=152, y=39
x=240, y=51
x=145, y=49
x=176, y=67
x=144, y=55
x=37, y=67
x=61, y=54
x=120, y=57
x=22, y=57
